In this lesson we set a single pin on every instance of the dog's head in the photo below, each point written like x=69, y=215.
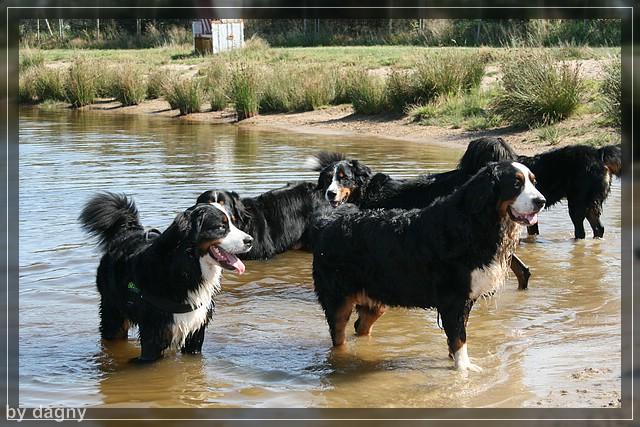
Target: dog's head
x=230, y=200
x=343, y=181
x=209, y=229
x=512, y=184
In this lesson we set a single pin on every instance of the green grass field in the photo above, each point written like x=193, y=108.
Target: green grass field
x=366, y=56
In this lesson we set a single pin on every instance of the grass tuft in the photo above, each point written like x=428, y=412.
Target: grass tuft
x=128, y=86
x=184, y=94
x=81, y=84
x=611, y=93
x=537, y=91
x=155, y=82
x=368, y=94
x=245, y=91
x=217, y=85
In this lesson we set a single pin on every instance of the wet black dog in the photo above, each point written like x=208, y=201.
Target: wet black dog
x=163, y=282
x=346, y=180
x=581, y=174
x=443, y=256
x=278, y=220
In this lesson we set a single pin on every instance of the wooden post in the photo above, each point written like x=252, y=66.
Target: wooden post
x=478, y=32
x=60, y=27
x=38, y=29
x=98, y=28
x=390, y=25
x=46, y=21
x=317, y=26
x=138, y=27
x=304, y=25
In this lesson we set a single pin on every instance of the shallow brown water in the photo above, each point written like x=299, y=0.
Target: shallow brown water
x=557, y=344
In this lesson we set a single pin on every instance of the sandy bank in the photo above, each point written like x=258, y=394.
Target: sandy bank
x=341, y=120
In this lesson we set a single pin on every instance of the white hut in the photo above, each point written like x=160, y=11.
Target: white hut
x=217, y=35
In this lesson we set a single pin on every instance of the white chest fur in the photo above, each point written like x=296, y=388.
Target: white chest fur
x=491, y=277
x=185, y=323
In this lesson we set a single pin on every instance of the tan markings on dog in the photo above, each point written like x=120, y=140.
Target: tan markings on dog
x=343, y=194
x=225, y=219
x=340, y=174
x=204, y=246
x=369, y=310
x=342, y=314
x=455, y=346
x=532, y=177
x=520, y=176
x=221, y=202
x=504, y=205
x=367, y=316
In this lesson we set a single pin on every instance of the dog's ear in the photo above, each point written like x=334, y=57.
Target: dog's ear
x=238, y=211
x=362, y=171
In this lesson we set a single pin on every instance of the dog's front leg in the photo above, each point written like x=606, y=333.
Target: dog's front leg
x=521, y=271
x=193, y=343
x=454, y=319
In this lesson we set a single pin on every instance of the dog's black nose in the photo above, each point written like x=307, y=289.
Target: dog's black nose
x=539, y=202
x=331, y=195
x=247, y=241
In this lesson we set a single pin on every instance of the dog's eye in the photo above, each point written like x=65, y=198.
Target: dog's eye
x=534, y=182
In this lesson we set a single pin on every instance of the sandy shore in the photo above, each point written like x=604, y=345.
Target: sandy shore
x=341, y=120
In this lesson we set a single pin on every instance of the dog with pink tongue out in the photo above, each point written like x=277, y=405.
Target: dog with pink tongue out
x=163, y=282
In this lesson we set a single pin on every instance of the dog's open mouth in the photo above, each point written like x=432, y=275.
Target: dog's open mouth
x=336, y=203
x=523, y=218
x=226, y=260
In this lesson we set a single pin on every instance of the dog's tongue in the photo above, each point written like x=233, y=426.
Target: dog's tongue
x=531, y=218
x=235, y=262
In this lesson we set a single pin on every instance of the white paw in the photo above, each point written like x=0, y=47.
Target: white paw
x=462, y=361
x=468, y=367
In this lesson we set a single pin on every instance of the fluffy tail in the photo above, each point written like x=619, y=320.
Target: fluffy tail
x=611, y=156
x=106, y=215
x=484, y=150
x=321, y=160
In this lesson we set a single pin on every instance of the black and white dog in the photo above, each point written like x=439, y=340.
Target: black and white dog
x=444, y=256
x=579, y=173
x=278, y=220
x=163, y=282
x=341, y=179
x=351, y=181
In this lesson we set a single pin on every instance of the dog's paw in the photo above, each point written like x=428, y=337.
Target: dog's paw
x=464, y=367
x=462, y=362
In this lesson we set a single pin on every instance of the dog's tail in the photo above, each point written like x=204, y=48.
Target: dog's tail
x=106, y=215
x=611, y=156
x=321, y=160
x=481, y=151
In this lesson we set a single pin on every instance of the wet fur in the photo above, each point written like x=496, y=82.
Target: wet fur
x=167, y=266
x=420, y=258
x=582, y=175
x=278, y=220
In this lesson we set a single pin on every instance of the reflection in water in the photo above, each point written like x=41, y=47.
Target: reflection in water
x=268, y=343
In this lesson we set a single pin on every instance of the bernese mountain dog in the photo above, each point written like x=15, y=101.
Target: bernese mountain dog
x=444, y=256
x=163, y=282
x=581, y=174
x=346, y=180
x=278, y=220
